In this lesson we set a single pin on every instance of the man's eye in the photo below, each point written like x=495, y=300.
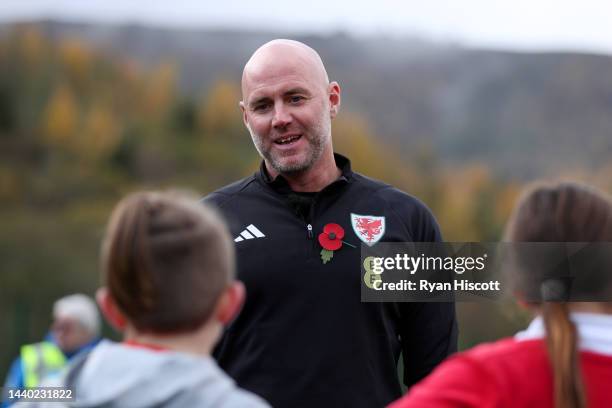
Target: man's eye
x=296, y=98
x=261, y=107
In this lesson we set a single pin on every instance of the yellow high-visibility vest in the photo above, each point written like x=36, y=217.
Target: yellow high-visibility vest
x=39, y=360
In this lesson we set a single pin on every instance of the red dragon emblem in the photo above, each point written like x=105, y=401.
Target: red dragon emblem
x=368, y=228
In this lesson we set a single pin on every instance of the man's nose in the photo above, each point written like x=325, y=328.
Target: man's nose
x=282, y=117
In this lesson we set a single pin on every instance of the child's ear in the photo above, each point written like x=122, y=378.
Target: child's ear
x=110, y=310
x=230, y=302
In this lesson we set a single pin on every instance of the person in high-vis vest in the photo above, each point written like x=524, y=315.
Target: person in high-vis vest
x=39, y=360
x=75, y=329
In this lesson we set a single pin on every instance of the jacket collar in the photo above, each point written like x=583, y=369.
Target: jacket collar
x=280, y=184
x=594, y=331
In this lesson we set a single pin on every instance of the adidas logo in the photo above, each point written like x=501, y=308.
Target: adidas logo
x=251, y=232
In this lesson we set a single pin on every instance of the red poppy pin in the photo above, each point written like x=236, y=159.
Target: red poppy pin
x=331, y=240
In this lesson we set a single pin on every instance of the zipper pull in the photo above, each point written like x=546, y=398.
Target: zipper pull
x=309, y=227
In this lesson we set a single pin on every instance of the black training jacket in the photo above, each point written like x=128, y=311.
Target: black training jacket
x=304, y=338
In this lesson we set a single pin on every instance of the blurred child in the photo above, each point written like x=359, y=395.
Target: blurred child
x=168, y=270
x=564, y=358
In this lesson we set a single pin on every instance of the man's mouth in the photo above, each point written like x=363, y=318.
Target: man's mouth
x=287, y=140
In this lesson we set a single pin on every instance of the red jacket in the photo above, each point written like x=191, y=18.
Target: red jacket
x=507, y=373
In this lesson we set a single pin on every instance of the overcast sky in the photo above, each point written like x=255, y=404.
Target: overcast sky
x=519, y=24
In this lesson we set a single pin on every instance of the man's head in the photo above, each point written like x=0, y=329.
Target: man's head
x=76, y=322
x=287, y=104
x=168, y=266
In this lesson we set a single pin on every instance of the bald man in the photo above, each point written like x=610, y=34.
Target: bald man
x=304, y=338
x=288, y=108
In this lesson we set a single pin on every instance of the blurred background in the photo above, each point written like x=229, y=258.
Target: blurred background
x=458, y=103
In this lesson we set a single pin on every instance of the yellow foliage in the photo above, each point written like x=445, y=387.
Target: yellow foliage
x=455, y=211
x=101, y=134
x=353, y=138
x=476, y=176
x=130, y=71
x=76, y=58
x=370, y=155
x=32, y=45
x=219, y=113
x=506, y=200
x=159, y=93
x=61, y=117
x=459, y=207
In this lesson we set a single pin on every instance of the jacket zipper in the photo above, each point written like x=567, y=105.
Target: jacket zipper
x=309, y=228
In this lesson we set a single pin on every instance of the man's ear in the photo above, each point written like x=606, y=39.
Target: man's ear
x=334, y=98
x=244, y=114
x=230, y=303
x=110, y=310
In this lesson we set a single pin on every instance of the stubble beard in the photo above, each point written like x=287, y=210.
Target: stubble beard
x=316, y=146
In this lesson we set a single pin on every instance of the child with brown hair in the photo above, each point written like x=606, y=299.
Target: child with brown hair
x=564, y=358
x=168, y=271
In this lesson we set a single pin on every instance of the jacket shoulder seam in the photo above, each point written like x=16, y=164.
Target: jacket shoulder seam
x=231, y=195
x=392, y=208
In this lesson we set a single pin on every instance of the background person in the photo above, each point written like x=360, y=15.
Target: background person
x=75, y=329
x=564, y=358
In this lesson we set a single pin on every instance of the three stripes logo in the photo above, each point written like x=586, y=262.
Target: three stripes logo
x=251, y=232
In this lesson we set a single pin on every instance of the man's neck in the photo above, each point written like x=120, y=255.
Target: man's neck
x=199, y=342
x=315, y=179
